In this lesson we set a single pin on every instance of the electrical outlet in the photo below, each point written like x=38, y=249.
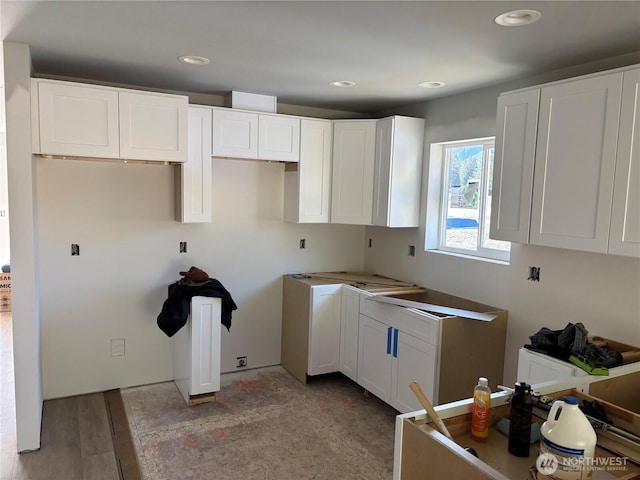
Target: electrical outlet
x=303, y=243
x=534, y=274
x=183, y=247
x=412, y=250
x=370, y=243
x=75, y=249
x=241, y=361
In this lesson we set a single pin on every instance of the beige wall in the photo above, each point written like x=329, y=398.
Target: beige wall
x=122, y=218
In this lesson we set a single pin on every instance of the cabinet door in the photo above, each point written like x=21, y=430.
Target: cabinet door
x=414, y=360
x=352, y=172
x=398, y=171
x=575, y=162
x=624, y=237
x=153, y=126
x=374, y=357
x=235, y=134
x=324, y=329
x=535, y=368
x=205, y=344
x=193, y=178
x=278, y=138
x=349, y=331
x=513, y=168
x=75, y=119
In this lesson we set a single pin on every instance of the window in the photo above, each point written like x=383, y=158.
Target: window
x=465, y=203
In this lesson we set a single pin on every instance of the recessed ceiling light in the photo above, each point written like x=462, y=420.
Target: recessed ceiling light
x=431, y=84
x=517, y=18
x=193, y=60
x=342, y=83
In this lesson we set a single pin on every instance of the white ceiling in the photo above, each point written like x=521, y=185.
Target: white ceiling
x=293, y=49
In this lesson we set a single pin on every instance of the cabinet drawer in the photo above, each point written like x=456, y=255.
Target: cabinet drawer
x=418, y=324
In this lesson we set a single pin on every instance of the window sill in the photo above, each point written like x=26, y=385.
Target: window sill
x=469, y=257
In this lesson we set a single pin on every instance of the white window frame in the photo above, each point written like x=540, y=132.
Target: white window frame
x=438, y=198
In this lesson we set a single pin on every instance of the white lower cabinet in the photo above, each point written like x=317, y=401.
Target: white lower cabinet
x=349, y=318
x=324, y=329
x=389, y=360
x=536, y=368
x=197, y=349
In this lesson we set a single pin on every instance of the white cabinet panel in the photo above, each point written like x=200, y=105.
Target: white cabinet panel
x=513, y=168
x=197, y=349
x=536, y=368
x=235, y=134
x=575, y=163
x=278, y=138
x=193, y=178
x=308, y=183
x=352, y=171
x=349, y=320
x=153, y=126
x=75, y=119
x=624, y=238
x=398, y=171
x=389, y=360
x=324, y=329
x=374, y=350
x=415, y=361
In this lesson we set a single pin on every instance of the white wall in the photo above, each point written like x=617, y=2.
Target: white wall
x=601, y=291
x=122, y=218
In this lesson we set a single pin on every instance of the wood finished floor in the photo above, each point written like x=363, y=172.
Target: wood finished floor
x=76, y=438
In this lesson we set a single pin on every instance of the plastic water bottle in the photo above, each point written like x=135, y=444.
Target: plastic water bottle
x=520, y=420
x=568, y=443
x=480, y=410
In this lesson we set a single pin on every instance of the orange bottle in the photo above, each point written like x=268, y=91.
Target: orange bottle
x=480, y=410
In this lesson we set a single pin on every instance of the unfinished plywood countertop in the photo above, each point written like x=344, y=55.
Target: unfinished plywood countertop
x=369, y=282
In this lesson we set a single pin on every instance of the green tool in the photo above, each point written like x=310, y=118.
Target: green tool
x=587, y=365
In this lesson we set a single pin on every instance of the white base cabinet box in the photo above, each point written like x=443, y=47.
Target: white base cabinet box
x=197, y=350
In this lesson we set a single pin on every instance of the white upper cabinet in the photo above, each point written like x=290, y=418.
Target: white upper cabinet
x=513, y=166
x=278, y=138
x=153, y=126
x=235, y=133
x=241, y=134
x=81, y=120
x=75, y=119
x=352, y=171
x=624, y=237
x=307, y=184
x=571, y=160
x=193, y=178
x=398, y=171
x=575, y=163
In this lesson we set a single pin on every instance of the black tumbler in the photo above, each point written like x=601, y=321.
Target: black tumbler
x=520, y=423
